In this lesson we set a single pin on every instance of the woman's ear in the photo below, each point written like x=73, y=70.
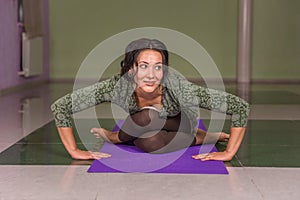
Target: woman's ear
x=130, y=73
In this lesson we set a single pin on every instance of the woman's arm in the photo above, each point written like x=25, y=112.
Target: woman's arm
x=77, y=101
x=232, y=105
x=67, y=138
x=235, y=140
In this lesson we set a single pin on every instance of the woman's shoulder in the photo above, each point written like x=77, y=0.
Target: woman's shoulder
x=109, y=81
x=113, y=78
x=176, y=80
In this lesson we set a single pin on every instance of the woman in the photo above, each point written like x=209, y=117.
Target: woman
x=162, y=107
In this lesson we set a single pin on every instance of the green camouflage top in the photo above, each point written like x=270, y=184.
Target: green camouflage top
x=178, y=94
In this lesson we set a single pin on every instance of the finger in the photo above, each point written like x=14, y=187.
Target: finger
x=99, y=155
x=106, y=155
x=103, y=155
x=196, y=157
x=208, y=157
x=200, y=156
x=97, y=135
x=95, y=130
x=205, y=157
x=213, y=156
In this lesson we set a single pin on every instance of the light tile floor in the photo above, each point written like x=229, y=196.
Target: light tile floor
x=269, y=157
x=73, y=182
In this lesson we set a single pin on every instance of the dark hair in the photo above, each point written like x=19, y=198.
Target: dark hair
x=133, y=50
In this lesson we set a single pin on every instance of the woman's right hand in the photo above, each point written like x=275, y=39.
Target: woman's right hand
x=88, y=155
x=67, y=137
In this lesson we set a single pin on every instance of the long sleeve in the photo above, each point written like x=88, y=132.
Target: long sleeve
x=223, y=102
x=81, y=99
x=190, y=97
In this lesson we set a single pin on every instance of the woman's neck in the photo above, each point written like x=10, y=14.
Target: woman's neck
x=149, y=99
x=148, y=95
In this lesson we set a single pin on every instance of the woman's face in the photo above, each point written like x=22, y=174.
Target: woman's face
x=150, y=70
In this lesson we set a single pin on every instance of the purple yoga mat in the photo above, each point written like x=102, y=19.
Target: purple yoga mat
x=127, y=158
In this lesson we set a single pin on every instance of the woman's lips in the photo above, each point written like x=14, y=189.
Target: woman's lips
x=149, y=83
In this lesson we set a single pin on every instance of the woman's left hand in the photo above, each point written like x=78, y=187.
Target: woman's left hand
x=235, y=140
x=223, y=156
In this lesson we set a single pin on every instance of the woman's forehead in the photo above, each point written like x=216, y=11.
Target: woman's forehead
x=149, y=56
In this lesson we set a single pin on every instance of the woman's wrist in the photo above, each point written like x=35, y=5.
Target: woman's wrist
x=235, y=140
x=73, y=150
x=230, y=154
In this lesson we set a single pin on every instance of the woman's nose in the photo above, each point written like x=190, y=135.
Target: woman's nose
x=150, y=72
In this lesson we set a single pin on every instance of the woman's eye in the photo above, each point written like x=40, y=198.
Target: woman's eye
x=143, y=66
x=158, y=67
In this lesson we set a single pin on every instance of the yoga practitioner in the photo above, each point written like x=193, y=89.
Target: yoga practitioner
x=162, y=106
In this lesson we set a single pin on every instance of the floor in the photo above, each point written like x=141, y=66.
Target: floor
x=34, y=164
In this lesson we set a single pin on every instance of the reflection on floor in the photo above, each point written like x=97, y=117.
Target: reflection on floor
x=43, y=146
x=32, y=153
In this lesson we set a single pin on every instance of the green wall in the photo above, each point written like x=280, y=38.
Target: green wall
x=276, y=39
x=77, y=26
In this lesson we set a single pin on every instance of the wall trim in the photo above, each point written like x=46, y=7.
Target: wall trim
x=23, y=86
x=201, y=81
